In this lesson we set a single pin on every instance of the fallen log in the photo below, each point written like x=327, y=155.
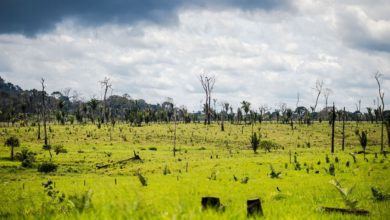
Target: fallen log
x=99, y=166
x=136, y=158
x=346, y=211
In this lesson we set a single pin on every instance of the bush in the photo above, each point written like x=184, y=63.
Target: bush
x=47, y=167
x=268, y=145
x=27, y=163
x=255, y=141
x=27, y=157
x=81, y=202
x=25, y=154
x=378, y=194
x=60, y=149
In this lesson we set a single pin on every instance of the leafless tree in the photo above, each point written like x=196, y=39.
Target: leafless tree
x=174, y=129
x=318, y=89
x=262, y=110
x=66, y=92
x=327, y=92
x=105, y=84
x=44, y=110
x=381, y=108
x=225, y=109
x=208, y=86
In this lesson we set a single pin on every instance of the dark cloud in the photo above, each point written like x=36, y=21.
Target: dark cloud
x=31, y=17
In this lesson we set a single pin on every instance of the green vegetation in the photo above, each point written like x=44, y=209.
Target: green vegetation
x=96, y=174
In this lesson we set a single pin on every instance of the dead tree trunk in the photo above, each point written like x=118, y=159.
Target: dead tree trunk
x=381, y=108
x=174, y=134
x=44, y=110
x=208, y=85
x=343, y=133
x=333, y=122
x=39, y=127
x=106, y=85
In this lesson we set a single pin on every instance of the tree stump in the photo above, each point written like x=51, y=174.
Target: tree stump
x=254, y=207
x=211, y=203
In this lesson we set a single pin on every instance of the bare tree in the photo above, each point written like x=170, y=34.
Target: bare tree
x=333, y=122
x=327, y=92
x=225, y=108
x=208, y=85
x=174, y=129
x=381, y=108
x=105, y=84
x=44, y=110
x=318, y=89
x=262, y=110
x=343, y=131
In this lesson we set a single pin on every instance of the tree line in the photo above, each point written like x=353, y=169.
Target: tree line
x=25, y=106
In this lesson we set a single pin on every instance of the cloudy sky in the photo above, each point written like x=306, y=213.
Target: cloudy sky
x=265, y=52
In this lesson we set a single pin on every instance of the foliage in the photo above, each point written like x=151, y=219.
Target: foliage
x=332, y=169
x=362, y=138
x=255, y=141
x=166, y=170
x=273, y=174
x=81, y=202
x=47, y=167
x=142, y=179
x=12, y=142
x=267, y=145
x=378, y=194
x=26, y=156
x=60, y=149
x=162, y=195
x=345, y=194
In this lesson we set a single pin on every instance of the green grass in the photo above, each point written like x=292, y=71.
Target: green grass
x=208, y=152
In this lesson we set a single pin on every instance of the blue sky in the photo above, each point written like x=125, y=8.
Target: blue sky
x=265, y=52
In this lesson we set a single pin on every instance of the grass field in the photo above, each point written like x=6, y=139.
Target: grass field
x=208, y=163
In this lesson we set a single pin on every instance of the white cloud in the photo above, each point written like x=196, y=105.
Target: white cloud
x=260, y=56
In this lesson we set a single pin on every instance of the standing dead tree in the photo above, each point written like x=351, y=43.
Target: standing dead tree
x=381, y=108
x=225, y=109
x=333, y=122
x=327, y=92
x=106, y=84
x=344, y=115
x=44, y=110
x=208, y=86
x=318, y=89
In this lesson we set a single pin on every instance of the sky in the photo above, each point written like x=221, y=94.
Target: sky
x=265, y=52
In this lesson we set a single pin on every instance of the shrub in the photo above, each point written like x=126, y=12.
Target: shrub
x=378, y=194
x=332, y=169
x=153, y=148
x=47, y=167
x=268, y=145
x=362, y=139
x=273, y=174
x=166, y=170
x=60, y=149
x=255, y=141
x=81, y=202
x=26, y=156
x=142, y=179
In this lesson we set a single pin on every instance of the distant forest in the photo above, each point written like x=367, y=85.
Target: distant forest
x=26, y=106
